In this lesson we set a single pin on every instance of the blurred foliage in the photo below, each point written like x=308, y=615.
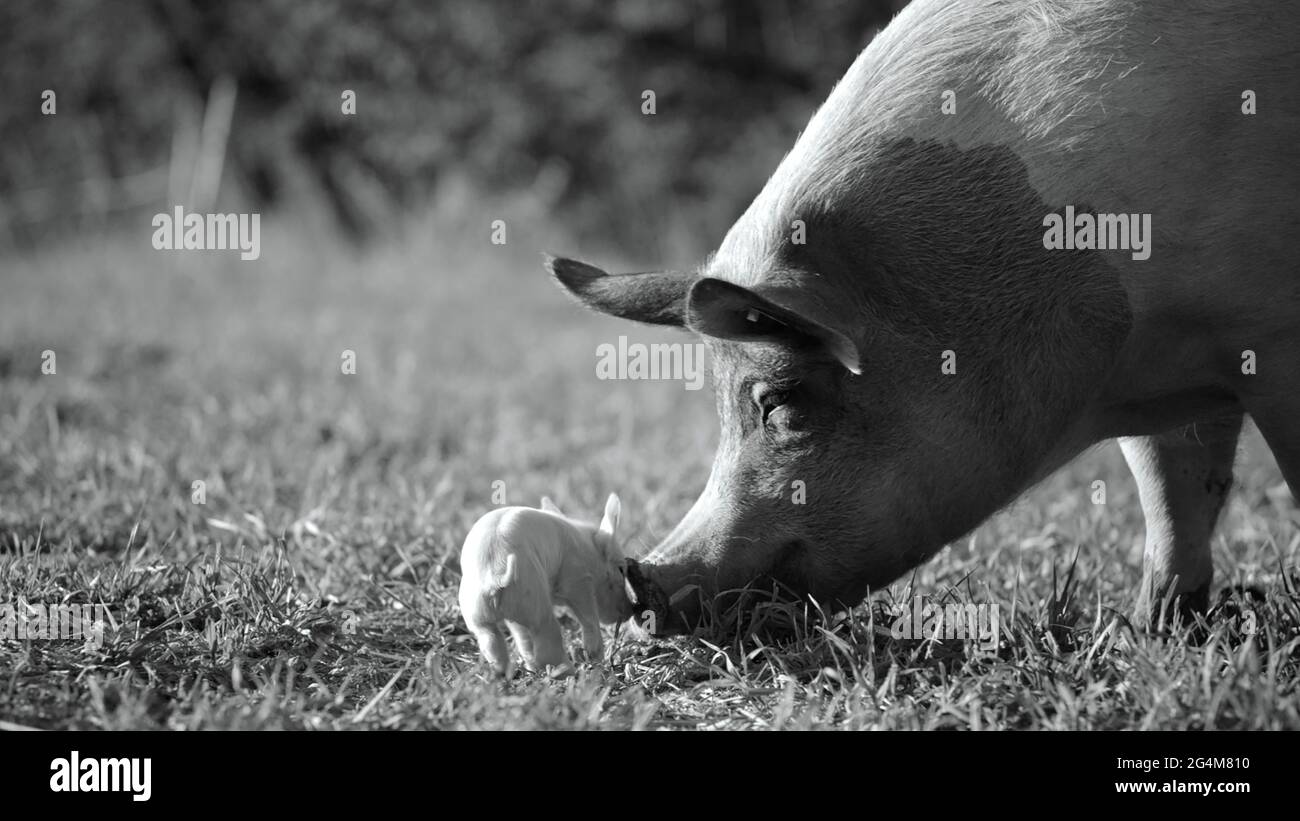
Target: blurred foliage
x=509, y=95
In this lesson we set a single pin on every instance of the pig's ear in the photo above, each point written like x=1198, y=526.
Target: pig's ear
x=551, y=507
x=722, y=309
x=609, y=524
x=656, y=297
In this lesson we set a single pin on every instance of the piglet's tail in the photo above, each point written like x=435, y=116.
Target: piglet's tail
x=509, y=575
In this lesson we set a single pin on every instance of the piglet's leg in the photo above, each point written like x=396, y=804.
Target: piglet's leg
x=548, y=645
x=524, y=641
x=592, y=641
x=492, y=644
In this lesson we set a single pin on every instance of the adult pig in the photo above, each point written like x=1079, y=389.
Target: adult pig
x=896, y=322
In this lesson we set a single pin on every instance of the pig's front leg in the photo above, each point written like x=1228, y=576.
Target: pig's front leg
x=1183, y=478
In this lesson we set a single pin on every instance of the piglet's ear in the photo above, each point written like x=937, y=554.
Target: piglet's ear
x=551, y=507
x=613, y=507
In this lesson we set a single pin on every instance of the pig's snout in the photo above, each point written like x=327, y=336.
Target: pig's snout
x=649, y=602
x=659, y=608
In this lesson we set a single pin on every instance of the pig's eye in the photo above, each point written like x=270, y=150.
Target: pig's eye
x=771, y=402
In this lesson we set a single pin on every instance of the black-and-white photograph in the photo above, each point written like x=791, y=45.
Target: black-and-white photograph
x=650, y=365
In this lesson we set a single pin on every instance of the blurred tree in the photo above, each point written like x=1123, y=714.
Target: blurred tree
x=508, y=94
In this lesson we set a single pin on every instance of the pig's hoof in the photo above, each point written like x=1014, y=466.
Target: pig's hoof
x=1237, y=608
x=1168, y=613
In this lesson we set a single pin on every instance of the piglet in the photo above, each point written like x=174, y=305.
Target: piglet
x=519, y=563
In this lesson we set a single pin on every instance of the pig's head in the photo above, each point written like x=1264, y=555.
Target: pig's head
x=882, y=385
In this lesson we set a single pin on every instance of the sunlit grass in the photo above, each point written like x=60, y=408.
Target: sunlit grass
x=315, y=587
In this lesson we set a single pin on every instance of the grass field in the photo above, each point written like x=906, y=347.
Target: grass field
x=315, y=586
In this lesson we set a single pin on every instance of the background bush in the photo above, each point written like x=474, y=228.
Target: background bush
x=503, y=95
